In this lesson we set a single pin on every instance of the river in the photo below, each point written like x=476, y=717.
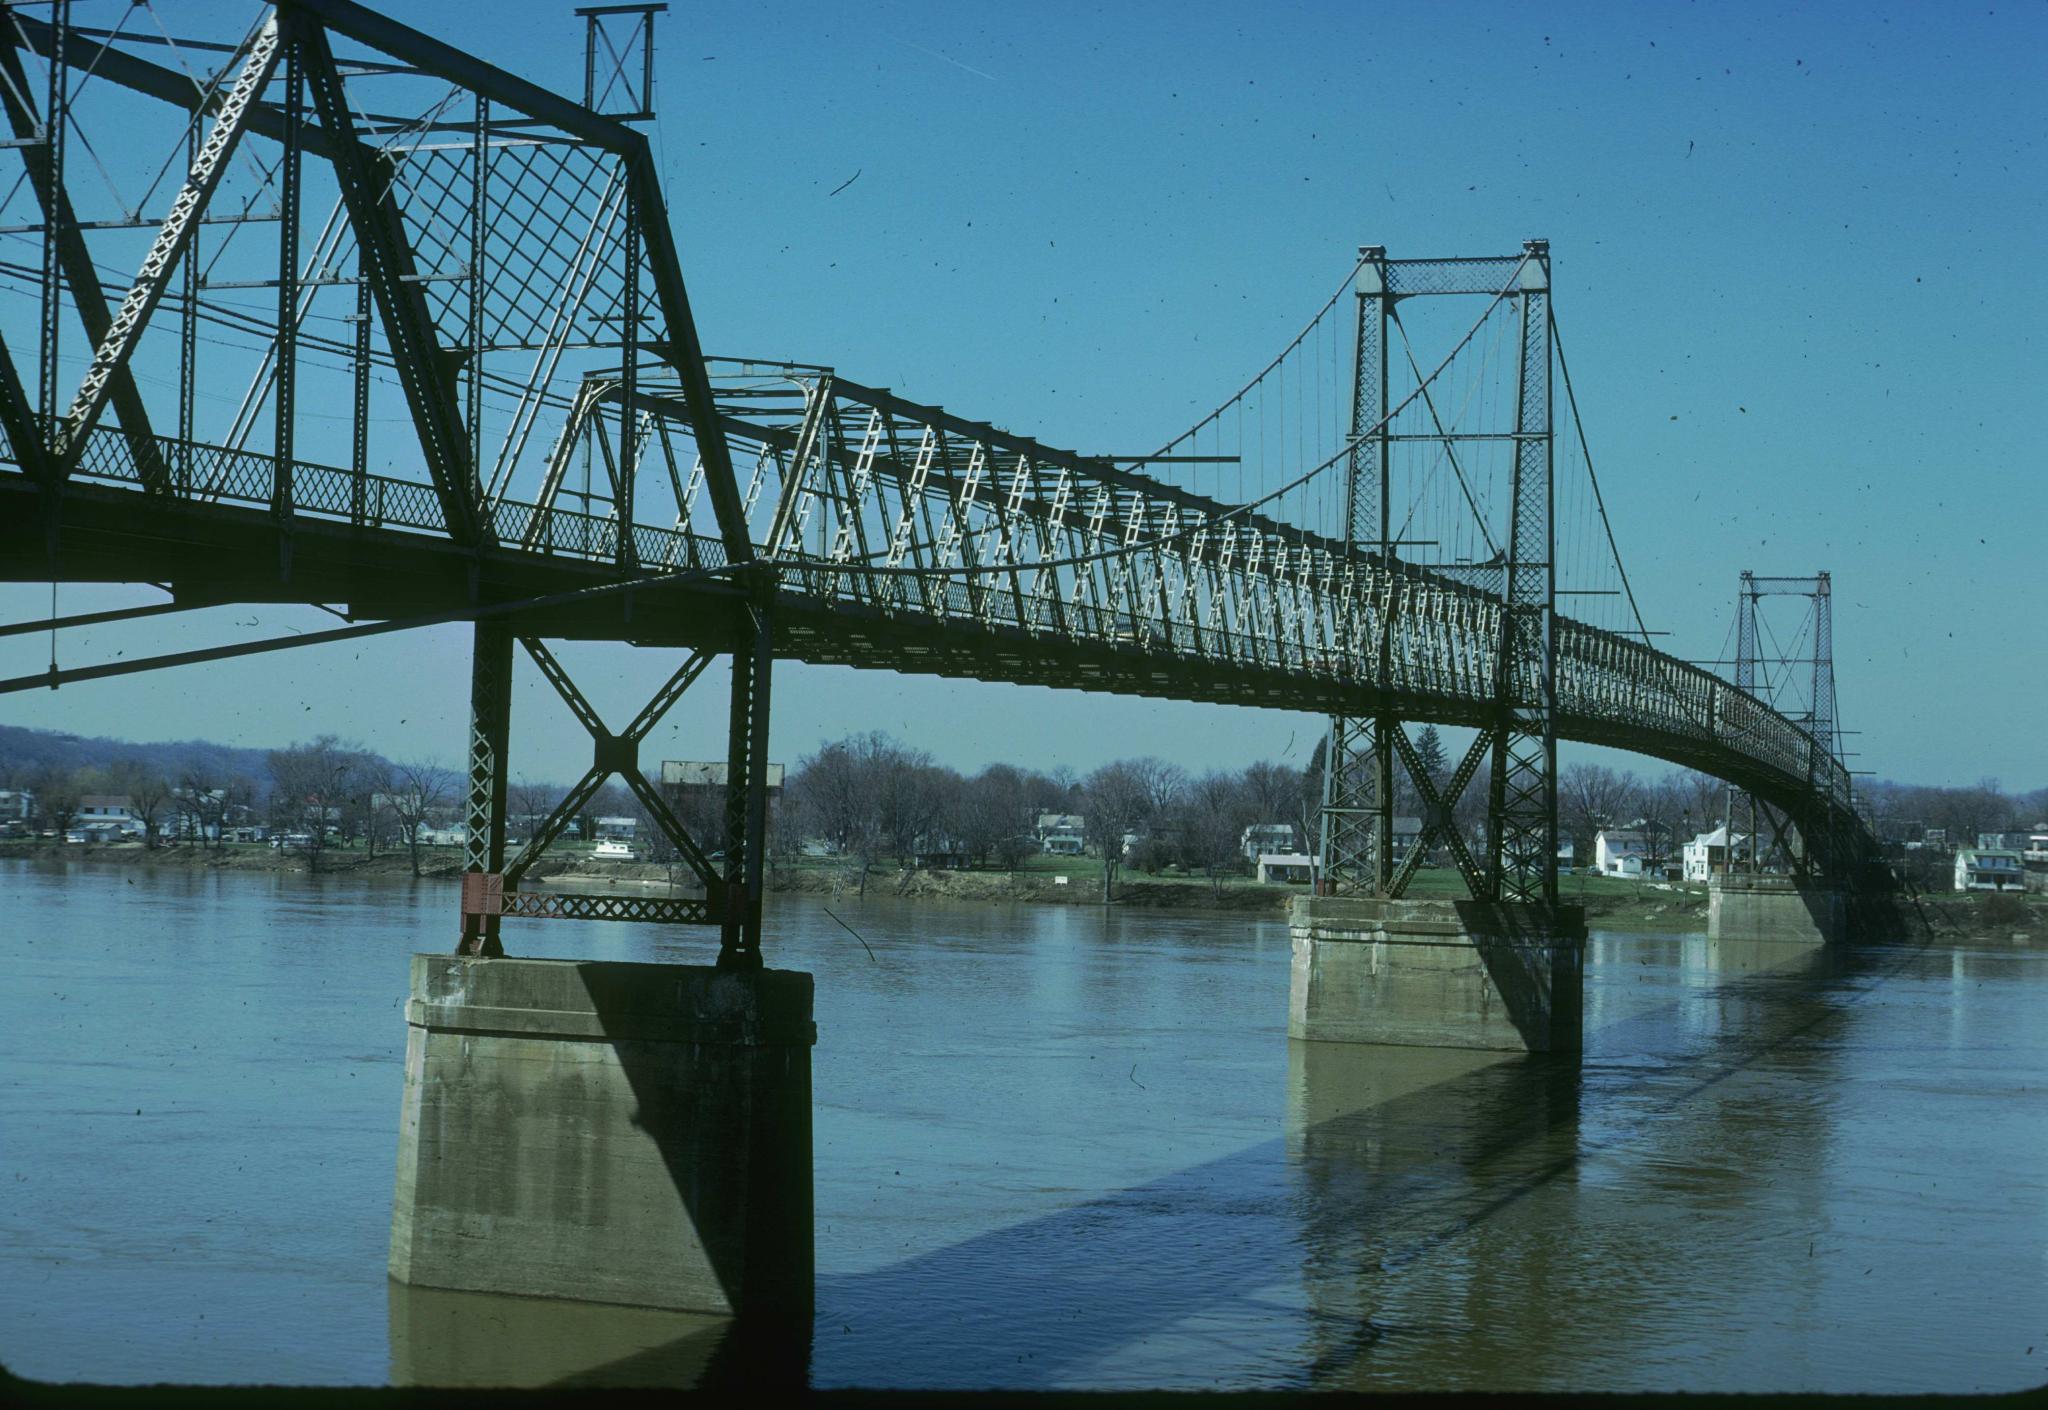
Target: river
x=1055, y=1147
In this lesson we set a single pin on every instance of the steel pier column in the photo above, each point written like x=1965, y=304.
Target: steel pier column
x=746, y=788
x=490, y=732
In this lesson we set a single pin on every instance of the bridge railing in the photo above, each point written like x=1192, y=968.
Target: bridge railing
x=198, y=473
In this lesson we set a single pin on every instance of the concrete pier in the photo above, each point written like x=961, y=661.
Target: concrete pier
x=1776, y=908
x=1437, y=973
x=621, y=1133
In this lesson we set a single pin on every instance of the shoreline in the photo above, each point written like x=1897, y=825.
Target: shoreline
x=2020, y=919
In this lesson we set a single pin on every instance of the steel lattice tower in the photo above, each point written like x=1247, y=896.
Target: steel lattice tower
x=1356, y=848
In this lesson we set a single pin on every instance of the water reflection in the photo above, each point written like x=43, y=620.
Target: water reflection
x=1060, y=1149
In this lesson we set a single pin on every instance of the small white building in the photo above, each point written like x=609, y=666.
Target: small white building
x=1296, y=868
x=1061, y=843
x=1619, y=852
x=107, y=815
x=1063, y=823
x=1708, y=852
x=1262, y=838
x=1989, y=869
x=619, y=829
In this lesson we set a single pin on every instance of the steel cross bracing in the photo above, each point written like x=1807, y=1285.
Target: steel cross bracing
x=496, y=302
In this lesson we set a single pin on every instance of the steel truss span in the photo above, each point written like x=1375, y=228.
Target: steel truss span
x=516, y=407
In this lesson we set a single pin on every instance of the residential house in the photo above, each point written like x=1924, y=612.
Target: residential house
x=1062, y=823
x=1709, y=852
x=1989, y=869
x=107, y=815
x=1061, y=843
x=619, y=828
x=1619, y=852
x=2036, y=850
x=1261, y=838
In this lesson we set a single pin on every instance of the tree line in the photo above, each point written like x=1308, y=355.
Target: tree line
x=872, y=800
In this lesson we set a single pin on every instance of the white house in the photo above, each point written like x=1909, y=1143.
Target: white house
x=1063, y=843
x=1708, y=852
x=620, y=828
x=1989, y=869
x=107, y=814
x=1619, y=852
x=1050, y=823
x=1262, y=838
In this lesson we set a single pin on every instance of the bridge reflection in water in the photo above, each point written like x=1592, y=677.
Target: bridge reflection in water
x=1654, y=1214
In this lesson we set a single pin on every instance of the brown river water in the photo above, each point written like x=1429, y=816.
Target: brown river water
x=1056, y=1147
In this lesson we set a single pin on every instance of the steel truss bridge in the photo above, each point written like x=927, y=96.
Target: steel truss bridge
x=496, y=276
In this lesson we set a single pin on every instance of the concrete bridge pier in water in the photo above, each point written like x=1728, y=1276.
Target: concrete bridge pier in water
x=1784, y=909
x=1437, y=973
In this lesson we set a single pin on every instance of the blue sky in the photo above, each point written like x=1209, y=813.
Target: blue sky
x=1798, y=255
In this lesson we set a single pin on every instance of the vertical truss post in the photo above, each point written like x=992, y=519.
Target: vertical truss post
x=188, y=333
x=359, y=400
x=56, y=206
x=490, y=735
x=629, y=385
x=1522, y=828
x=479, y=218
x=286, y=388
x=1356, y=848
x=746, y=783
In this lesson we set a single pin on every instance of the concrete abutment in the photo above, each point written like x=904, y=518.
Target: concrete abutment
x=1437, y=973
x=607, y=1132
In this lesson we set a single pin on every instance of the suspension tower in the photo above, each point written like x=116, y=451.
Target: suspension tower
x=1356, y=847
x=1799, y=682
x=1504, y=969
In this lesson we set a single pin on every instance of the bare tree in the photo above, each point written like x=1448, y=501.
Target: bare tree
x=1217, y=808
x=313, y=785
x=149, y=796
x=1117, y=800
x=531, y=803
x=835, y=797
x=57, y=792
x=1592, y=798
x=994, y=815
x=1662, y=805
x=414, y=791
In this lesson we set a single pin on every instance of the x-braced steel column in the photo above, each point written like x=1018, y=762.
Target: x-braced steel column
x=746, y=787
x=1522, y=812
x=490, y=734
x=1356, y=848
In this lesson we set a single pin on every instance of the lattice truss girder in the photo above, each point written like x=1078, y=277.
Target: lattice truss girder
x=478, y=243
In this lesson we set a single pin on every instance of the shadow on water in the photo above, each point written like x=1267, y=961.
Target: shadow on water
x=1389, y=1155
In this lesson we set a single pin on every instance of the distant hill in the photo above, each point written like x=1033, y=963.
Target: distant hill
x=25, y=751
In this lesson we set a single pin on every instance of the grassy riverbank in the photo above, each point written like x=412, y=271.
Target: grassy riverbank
x=1611, y=903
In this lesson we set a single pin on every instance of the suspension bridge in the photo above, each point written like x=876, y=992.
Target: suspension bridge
x=1380, y=525
x=322, y=310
